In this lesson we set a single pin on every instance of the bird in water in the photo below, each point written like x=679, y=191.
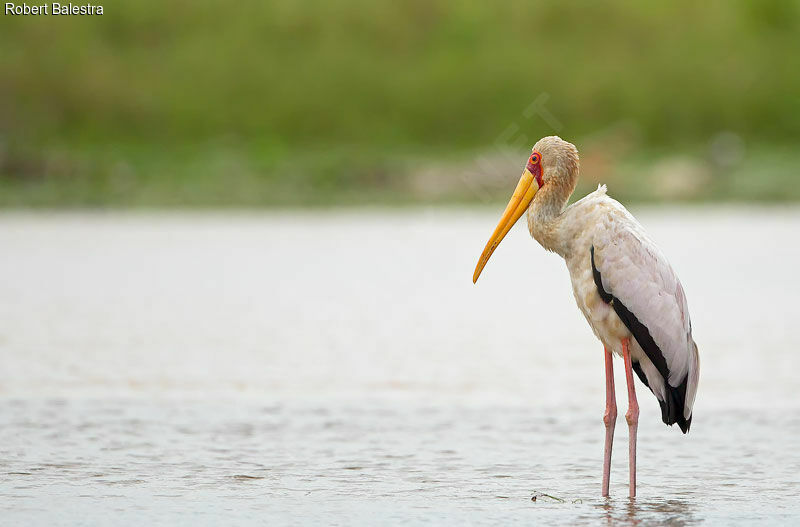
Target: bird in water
x=622, y=283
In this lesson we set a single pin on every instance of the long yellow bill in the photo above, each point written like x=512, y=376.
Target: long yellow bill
x=523, y=194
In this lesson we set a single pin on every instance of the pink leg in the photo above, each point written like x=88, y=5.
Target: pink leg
x=632, y=416
x=609, y=419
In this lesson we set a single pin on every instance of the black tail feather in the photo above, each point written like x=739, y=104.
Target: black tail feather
x=676, y=399
x=672, y=408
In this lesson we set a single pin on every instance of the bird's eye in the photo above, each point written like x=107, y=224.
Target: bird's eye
x=534, y=159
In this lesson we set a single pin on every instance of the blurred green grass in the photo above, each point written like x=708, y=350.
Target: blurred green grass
x=178, y=103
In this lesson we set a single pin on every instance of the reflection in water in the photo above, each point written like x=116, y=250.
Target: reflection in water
x=637, y=511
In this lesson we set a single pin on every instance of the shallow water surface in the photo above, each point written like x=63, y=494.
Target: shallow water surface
x=341, y=368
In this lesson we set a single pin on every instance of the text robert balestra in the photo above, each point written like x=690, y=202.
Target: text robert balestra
x=52, y=9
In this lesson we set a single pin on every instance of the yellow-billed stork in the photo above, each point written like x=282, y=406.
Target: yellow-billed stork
x=622, y=283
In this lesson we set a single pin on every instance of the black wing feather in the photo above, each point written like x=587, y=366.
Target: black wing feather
x=672, y=408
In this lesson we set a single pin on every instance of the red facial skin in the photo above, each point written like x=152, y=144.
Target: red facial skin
x=534, y=166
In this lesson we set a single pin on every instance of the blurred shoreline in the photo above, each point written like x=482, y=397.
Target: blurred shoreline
x=200, y=177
